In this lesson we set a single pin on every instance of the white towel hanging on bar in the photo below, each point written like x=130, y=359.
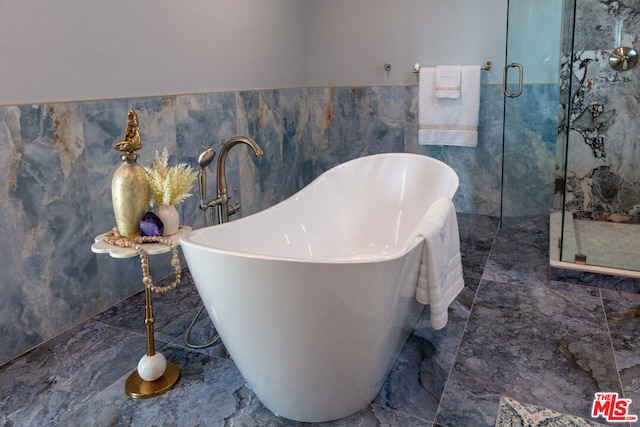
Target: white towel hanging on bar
x=447, y=121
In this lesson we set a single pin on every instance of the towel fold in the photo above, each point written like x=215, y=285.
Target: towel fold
x=446, y=121
x=440, y=279
x=448, y=81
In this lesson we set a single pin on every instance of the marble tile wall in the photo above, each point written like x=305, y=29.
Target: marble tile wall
x=602, y=156
x=57, y=161
x=530, y=140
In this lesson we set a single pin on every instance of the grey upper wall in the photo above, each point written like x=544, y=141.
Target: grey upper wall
x=77, y=50
x=351, y=40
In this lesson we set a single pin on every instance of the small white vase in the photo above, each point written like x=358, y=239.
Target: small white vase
x=170, y=218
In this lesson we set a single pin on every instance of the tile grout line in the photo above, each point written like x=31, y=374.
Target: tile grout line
x=464, y=329
x=386, y=408
x=613, y=350
x=164, y=345
x=455, y=356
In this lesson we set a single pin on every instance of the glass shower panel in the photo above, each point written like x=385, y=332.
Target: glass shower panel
x=602, y=176
x=531, y=119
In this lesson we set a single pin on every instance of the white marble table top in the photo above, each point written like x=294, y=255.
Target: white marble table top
x=102, y=247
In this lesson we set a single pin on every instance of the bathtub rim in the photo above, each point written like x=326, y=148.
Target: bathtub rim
x=409, y=245
x=328, y=261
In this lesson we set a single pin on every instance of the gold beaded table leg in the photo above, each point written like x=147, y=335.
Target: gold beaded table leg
x=117, y=246
x=148, y=321
x=135, y=386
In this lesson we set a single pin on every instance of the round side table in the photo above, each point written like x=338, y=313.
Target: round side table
x=136, y=387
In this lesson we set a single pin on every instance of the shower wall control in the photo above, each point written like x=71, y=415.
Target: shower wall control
x=623, y=58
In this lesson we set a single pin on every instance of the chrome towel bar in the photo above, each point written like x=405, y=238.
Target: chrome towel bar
x=485, y=67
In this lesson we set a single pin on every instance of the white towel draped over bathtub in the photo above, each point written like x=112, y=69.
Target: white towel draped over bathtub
x=440, y=279
x=448, y=120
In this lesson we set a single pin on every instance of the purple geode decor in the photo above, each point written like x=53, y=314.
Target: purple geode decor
x=151, y=225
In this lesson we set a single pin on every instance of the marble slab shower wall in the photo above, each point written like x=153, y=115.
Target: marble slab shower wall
x=602, y=154
x=57, y=160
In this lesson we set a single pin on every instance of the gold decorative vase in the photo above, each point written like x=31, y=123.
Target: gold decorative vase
x=129, y=187
x=129, y=195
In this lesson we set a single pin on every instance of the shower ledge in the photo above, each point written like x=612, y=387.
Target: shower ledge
x=554, y=254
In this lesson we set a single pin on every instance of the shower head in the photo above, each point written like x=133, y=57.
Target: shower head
x=206, y=157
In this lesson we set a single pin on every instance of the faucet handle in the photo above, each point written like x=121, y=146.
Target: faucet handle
x=233, y=208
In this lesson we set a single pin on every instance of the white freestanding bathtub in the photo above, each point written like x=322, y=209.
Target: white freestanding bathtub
x=315, y=296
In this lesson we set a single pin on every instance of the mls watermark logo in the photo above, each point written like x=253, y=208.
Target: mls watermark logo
x=612, y=408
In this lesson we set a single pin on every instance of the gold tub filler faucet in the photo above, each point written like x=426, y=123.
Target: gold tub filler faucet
x=220, y=203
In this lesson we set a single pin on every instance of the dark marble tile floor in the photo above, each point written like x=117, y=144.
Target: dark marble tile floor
x=512, y=332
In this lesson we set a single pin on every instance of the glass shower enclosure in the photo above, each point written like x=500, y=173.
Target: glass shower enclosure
x=532, y=91
x=572, y=129
x=600, y=215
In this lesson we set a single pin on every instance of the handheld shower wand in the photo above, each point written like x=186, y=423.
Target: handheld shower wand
x=204, y=160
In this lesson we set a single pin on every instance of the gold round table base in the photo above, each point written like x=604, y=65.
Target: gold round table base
x=138, y=388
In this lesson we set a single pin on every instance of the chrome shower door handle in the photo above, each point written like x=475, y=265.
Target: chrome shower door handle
x=504, y=77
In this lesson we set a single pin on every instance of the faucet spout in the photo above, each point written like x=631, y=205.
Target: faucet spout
x=223, y=197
